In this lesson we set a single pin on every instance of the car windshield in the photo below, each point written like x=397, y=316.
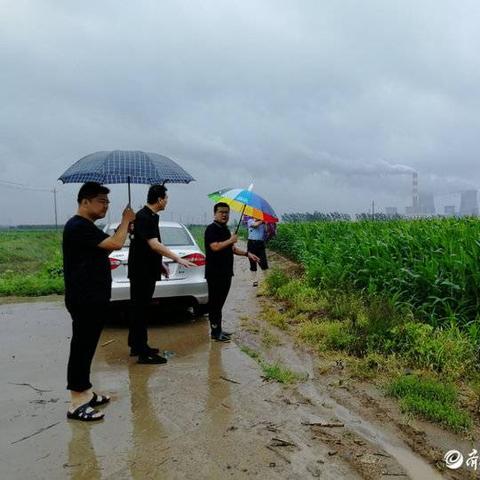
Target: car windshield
x=171, y=236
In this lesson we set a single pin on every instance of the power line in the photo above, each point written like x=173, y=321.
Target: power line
x=21, y=186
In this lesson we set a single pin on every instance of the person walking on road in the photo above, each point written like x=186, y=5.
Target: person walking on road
x=220, y=248
x=145, y=268
x=256, y=245
x=88, y=282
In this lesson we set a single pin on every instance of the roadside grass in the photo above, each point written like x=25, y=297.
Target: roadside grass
x=375, y=366
x=276, y=318
x=278, y=373
x=346, y=322
x=268, y=338
x=250, y=352
x=431, y=399
x=380, y=339
x=30, y=285
x=30, y=263
x=26, y=252
x=326, y=335
x=274, y=371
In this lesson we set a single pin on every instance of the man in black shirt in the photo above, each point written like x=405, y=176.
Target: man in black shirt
x=144, y=270
x=87, y=291
x=220, y=248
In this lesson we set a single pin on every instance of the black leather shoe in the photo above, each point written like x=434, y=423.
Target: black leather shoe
x=151, y=359
x=221, y=338
x=227, y=334
x=151, y=350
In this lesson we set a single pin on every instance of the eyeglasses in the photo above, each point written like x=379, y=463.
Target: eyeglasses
x=103, y=201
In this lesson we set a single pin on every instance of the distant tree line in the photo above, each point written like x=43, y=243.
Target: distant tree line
x=29, y=227
x=315, y=217
x=379, y=216
x=337, y=216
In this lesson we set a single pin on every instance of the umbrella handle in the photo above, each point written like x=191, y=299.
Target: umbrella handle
x=129, y=194
x=240, y=221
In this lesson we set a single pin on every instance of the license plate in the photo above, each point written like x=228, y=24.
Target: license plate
x=181, y=270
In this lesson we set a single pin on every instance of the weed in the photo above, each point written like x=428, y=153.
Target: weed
x=276, y=371
x=372, y=365
x=281, y=374
x=269, y=339
x=274, y=280
x=324, y=335
x=276, y=318
x=448, y=351
x=431, y=399
x=250, y=352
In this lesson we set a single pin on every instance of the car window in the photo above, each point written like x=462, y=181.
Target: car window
x=175, y=236
x=171, y=236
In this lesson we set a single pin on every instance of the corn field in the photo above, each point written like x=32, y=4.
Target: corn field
x=430, y=266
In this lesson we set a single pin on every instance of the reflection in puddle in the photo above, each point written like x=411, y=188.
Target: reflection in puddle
x=148, y=433
x=82, y=459
x=219, y=406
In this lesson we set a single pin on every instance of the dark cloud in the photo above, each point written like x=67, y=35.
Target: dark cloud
x=322, y=105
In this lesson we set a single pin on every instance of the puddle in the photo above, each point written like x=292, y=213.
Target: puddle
x=416, y=467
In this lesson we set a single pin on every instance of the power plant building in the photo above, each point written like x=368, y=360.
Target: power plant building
x=449, y=210
x=426, y=204
x=469, y=202
x=391, y=210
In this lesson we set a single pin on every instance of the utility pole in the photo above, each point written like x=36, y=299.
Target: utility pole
x=55, y=207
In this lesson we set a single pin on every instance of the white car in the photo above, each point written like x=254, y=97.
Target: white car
x=184, y=285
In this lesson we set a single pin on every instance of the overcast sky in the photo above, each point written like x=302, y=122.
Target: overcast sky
x=324, y=105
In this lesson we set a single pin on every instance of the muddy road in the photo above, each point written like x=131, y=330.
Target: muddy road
x=207, y=414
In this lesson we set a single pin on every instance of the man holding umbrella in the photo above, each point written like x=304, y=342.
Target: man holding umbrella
x=220, y=248
x=87, y=291
x=145, y=268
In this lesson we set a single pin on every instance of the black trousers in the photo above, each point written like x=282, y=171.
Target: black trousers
x=257, y=247
x=141, y=293
x=218, y=288
x=87, y=325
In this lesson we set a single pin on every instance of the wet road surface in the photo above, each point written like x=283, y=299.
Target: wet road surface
x=207, y=414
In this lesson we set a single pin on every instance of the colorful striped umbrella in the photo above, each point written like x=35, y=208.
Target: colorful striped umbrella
x=247, y=202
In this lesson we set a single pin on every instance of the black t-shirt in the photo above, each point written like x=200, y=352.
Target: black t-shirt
x=86, y=268
x=142, y=260
x=219, y=264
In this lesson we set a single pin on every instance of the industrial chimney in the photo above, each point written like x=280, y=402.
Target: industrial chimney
x=415, y=202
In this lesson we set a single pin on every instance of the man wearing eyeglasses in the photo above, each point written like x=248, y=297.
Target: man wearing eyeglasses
x=219, y=249
x=88, y=280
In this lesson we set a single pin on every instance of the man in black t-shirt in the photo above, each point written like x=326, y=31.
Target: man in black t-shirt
x=88, y=281
x=144, y=270
x=220, y=248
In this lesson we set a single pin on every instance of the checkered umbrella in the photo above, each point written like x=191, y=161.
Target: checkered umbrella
x=126, y=166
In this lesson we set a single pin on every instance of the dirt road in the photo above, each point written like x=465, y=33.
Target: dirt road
x=207, y=414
